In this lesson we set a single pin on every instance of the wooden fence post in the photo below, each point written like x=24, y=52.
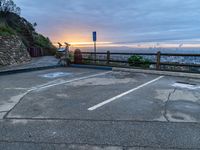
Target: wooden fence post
x=108, y=57
x=158, y=60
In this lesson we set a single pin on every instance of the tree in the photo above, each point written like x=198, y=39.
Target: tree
x=34, y=24
x=8, y=6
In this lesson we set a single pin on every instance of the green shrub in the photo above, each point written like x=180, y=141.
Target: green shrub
x=12, y=24
x=88, y=61
x=6, y=31
x=71, y=56
x=138, y=61
x=59, y=54
x=45, y=43
x=42, y=41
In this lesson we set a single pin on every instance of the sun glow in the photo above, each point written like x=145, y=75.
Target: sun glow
x=88, y=43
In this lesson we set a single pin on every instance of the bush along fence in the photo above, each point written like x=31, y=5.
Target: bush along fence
x=158, y=61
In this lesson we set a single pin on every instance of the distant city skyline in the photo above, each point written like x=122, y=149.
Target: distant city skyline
x=130, y=23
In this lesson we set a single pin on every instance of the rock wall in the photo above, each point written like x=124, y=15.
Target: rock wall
x=12, y=51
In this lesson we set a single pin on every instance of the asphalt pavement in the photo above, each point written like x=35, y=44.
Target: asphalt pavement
x=79, y=108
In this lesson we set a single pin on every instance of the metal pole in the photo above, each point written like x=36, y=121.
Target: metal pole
x=95, y=50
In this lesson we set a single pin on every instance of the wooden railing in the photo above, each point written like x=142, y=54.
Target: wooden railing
x=159, y=65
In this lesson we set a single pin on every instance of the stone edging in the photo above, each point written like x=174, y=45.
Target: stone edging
x=7, y=72
x=167, y=73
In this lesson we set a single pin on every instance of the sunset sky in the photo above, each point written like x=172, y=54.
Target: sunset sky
x=118, y=22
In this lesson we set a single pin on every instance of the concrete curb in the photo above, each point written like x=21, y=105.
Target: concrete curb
x=7, y=72
x=167, y=73
x=91, y=67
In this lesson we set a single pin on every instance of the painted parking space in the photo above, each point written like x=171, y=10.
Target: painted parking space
x=15, y=87
x=160, y=101
x=71, y=100
x=112, y=96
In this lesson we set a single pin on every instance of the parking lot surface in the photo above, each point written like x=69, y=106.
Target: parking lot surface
x=76, y=108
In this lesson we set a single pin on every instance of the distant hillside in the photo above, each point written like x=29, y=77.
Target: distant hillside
x=13, y=24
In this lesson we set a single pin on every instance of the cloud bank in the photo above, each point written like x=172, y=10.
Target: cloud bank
x=117, y=21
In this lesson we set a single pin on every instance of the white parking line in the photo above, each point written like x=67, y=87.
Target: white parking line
x=123, y=94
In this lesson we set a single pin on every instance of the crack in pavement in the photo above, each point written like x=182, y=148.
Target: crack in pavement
x=197, y=96
x=166, y=104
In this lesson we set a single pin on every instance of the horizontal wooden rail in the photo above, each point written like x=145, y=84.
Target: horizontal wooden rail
x=88, y=59
x=179, y=64
x=187, y=55
x=97, y=53
x=104, y=53
x=162, y=54
x=133, y=54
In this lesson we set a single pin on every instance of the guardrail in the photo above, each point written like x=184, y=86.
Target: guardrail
x=159, y=64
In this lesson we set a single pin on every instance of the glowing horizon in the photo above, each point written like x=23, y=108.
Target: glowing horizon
x=133, y=45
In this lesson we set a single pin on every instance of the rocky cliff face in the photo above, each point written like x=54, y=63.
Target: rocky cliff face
x=12, y=51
